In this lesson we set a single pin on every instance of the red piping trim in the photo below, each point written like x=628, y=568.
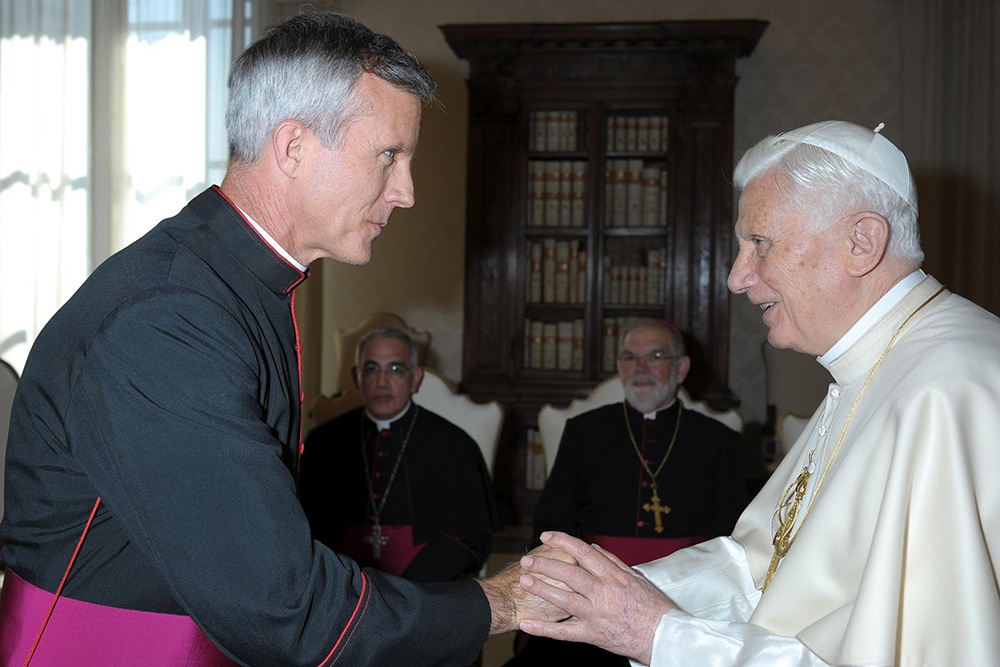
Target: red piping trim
x=62, y=583
x=254, y=230
x=298, y=363
x=361, y=598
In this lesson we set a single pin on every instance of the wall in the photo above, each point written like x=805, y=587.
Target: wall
x=818, y=59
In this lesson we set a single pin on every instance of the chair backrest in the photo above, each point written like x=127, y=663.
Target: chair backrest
x=346, y=396
x=8, y=385
x=552, y=420
x=482, y=421
x=790, y=427
x=345, y=342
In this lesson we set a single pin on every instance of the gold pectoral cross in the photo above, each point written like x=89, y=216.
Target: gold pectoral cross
x=376, y=539
x=657, y=509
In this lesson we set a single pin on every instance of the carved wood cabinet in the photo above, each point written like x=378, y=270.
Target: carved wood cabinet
x=598, y=188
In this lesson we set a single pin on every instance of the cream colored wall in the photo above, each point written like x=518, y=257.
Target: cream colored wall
x=818, y=59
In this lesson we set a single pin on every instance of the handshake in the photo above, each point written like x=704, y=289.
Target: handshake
x=572, y=591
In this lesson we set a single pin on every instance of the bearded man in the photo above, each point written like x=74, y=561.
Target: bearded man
x=642, y=478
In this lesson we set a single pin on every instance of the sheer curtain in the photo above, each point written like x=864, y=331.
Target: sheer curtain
x=111, y=118
x=951, y=103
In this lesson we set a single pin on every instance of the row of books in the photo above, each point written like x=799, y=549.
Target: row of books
x=637, y=134
x=633, y=284
x=557, y=272
x=554, y=345
x=557, y=193
x=610, y=344
x=535, y=469
x=553, y=131
x=635, y=194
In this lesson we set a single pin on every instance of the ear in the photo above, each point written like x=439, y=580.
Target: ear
x=683, y=367
x=868, y=238
x=288, y=144
x=418, y=377
x=356, y=376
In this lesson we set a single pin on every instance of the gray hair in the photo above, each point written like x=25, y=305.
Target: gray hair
x=387, y=332
x=827, y=187
x=307, y=69
x=679, y=350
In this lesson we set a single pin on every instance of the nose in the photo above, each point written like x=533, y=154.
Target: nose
x=742, y=276
x=399, y=190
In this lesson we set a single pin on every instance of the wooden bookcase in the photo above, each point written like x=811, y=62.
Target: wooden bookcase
x=562, y=151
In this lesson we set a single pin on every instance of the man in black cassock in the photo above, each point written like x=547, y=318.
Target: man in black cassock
x=393, y=485
x=642, y=478
x=154, y=442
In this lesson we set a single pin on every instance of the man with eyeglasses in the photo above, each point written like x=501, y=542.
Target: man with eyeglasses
x=393, y=485
x=642, y=478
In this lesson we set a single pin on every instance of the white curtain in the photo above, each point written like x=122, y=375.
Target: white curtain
x=111, y=118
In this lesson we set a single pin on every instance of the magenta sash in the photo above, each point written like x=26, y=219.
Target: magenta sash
x=83, y=633
x=635, y=550
x=397, y=552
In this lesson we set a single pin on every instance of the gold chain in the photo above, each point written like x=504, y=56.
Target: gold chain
x=783, y=537
x=670, y=448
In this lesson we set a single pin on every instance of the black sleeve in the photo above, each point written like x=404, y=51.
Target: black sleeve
x=170, y=430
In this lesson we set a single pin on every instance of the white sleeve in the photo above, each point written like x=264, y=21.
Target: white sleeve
x=715, y=595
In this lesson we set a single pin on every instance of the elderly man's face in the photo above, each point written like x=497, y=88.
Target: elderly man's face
x=345, y=194
x=385, y=376
x=792, y=273
x=650, y=374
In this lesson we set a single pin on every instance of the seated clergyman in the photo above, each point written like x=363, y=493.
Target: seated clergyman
x=393, y=485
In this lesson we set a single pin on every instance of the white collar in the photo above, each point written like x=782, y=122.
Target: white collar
x=384, y=424
x=652, y=415
x=271, y=242
x=874, y=314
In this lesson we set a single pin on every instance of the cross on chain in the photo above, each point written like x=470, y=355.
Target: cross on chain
x=377, y=540
x=657, y=509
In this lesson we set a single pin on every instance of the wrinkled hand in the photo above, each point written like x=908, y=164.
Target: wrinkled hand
x=610, y=605
x=510, y=603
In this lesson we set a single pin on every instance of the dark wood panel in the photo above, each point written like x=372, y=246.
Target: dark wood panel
x=681, y=70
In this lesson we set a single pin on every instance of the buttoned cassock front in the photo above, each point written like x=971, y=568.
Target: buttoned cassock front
x=168, y=385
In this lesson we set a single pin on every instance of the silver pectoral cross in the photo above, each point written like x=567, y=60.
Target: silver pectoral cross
x=376, y=539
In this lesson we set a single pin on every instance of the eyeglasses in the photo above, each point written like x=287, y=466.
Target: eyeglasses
x=395, y=370
x=652, y=359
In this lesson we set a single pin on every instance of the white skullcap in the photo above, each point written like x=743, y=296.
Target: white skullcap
x=865, y=149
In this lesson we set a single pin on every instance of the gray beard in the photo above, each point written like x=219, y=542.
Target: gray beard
x=651, y=399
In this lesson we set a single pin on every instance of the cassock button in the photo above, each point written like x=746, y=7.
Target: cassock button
x=374, y=496
x=640, y=524
x=384, y=432
x=822, y=430
x=378, y=474
x=645, y=483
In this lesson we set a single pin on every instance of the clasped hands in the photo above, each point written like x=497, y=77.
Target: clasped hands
x=569, y=590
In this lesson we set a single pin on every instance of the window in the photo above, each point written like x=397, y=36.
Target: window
x=111, y=118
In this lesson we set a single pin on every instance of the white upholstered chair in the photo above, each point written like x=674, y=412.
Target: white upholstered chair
x=790, y=427
x=552, y=420
x=482, y=421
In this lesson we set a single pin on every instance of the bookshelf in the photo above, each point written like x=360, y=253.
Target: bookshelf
x=599, y=158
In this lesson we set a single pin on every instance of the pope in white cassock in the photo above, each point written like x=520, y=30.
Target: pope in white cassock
x=877, y=540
